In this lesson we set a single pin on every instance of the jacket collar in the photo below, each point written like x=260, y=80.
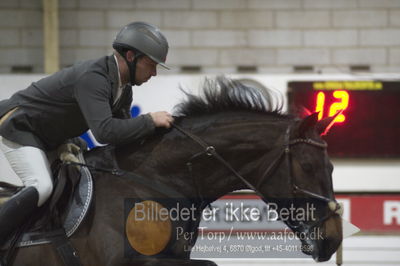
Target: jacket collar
x=113, y=74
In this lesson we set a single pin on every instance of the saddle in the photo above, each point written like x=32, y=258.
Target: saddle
x=61, y=216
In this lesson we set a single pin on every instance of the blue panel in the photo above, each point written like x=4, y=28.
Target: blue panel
x=85, y=136
x=135, y=111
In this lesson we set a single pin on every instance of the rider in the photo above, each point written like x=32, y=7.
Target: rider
x=95, y=95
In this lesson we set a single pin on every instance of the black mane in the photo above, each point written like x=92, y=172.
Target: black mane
x=223, y=94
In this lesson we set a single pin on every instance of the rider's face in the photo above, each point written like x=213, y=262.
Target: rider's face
x=145, y=69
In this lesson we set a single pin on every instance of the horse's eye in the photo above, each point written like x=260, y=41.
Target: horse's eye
x=307, y=167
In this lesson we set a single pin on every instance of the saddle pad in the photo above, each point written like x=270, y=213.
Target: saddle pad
x=79, y=207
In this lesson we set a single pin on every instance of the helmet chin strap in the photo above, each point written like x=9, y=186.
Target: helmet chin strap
x=132, y=66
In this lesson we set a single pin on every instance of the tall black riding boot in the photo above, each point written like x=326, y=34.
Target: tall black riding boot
x=16, y=211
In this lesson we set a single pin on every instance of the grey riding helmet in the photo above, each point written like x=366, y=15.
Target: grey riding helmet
x=144, y=39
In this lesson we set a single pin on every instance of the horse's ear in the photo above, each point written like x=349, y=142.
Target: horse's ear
x=325, y=124
x=308, y=123
x=304, y=112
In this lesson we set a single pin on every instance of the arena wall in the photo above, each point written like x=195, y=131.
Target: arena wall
x=225, y=36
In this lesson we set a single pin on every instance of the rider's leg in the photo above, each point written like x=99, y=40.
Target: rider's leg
x=31, y=165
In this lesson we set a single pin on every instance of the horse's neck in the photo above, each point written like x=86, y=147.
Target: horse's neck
x=240, y=142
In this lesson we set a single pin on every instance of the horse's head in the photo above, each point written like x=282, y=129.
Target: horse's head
x=305, y=200
x=285, y=160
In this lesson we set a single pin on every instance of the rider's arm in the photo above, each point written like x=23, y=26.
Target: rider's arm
x=93, y=94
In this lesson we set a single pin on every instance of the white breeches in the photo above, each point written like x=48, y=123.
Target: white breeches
x=31, y=166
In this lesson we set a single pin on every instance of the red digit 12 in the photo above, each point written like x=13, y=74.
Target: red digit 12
x=335, y=107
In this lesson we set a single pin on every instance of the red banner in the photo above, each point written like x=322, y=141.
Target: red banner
x=373, y=213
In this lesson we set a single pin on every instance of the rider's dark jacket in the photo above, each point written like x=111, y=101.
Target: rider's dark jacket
x=66, y=104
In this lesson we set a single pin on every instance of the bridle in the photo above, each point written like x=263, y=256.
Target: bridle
x=284, y=154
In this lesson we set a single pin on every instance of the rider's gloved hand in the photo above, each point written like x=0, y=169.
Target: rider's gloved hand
x=162, y=119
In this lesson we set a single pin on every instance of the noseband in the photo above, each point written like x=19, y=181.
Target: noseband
x=284, y=154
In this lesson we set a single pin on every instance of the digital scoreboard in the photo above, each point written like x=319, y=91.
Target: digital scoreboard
x=369, y=125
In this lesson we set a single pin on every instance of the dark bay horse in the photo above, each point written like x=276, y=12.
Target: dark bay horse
x=254, y=146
